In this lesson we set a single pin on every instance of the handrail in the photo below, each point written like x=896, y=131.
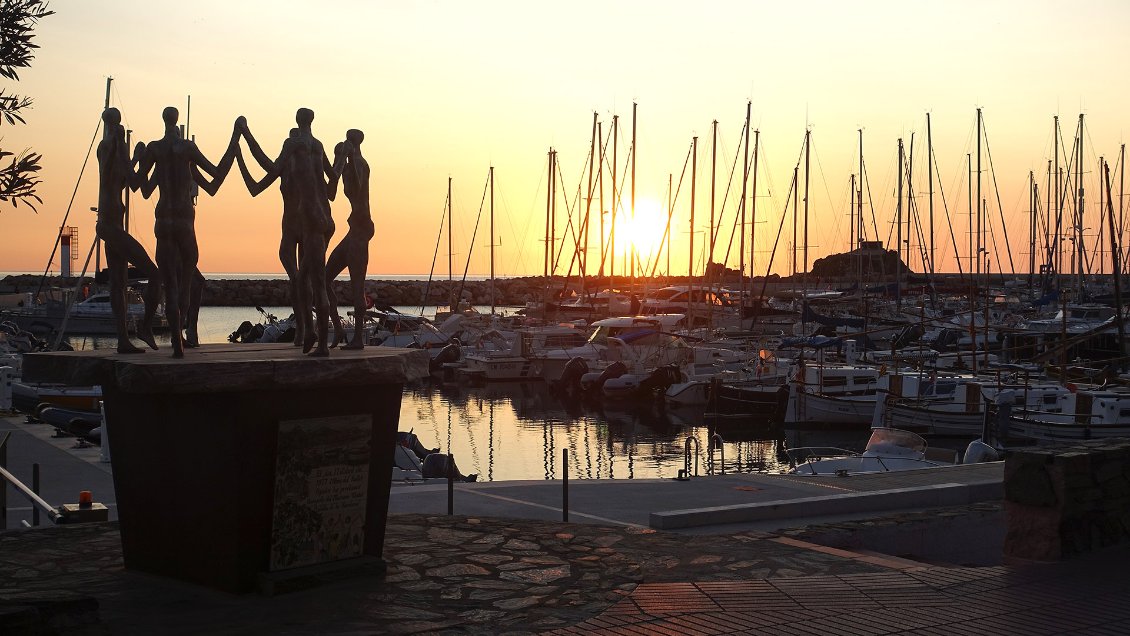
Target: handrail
x=686, y=472
x=52, y=513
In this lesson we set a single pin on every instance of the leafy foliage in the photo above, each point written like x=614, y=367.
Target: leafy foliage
x=18, y=172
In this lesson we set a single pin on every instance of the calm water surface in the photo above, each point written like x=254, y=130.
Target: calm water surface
x=512, y=431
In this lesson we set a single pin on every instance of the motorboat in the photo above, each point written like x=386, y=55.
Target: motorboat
x=888, y=450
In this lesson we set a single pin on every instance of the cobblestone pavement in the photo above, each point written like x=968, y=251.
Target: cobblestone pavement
x=446, y=575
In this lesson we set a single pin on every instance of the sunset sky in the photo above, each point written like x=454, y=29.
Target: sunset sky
x=448, y=89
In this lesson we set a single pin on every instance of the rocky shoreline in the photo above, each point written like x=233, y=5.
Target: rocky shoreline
x=270, y=292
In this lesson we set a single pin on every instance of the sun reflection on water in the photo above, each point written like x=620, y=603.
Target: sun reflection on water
x=516, y=431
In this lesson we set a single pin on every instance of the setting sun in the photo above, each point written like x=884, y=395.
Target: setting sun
x=644, y=232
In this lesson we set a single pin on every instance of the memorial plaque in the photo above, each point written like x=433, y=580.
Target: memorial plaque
x=321, y=490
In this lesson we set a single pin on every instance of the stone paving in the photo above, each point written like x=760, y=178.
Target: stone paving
x=446, y=575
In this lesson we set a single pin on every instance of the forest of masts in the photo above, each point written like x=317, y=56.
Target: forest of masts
x=1064, y=242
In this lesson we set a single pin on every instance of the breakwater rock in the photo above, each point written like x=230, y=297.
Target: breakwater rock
x=510, y=291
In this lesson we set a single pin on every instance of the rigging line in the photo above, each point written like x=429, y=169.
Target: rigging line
x=725, y=200
x=776, y=242
x=997, y=191
x=590, y=156
x=58, y=237
x=946, y=210
x=570, y=227
x=662, y=241
x=435, y=254
x=672, y=199
x=827, y=190
x=866, y=176
x=603, y=155
x=471, y=245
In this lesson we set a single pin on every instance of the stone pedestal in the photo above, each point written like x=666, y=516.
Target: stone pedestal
x=1065, y=500
x=245, y=460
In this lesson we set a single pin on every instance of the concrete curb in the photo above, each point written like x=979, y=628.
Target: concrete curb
x=949, y=494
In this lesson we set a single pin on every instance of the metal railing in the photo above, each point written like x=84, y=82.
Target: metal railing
x=30, y=493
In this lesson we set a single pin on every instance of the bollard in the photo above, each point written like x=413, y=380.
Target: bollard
x=565, y=484
x=104, y=443
x=450, y=484
x=35, y=489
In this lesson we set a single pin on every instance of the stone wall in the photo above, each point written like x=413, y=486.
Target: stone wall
x=1068, y=499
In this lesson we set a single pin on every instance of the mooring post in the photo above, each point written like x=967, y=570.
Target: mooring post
x=450, y=484
x=564, y=484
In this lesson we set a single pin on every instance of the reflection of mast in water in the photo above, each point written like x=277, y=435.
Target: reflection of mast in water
x=588, y=449
x=549, y=449
x=448, y=446
x=490, y=444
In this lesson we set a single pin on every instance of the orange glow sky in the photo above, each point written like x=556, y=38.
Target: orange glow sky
x=450, y=88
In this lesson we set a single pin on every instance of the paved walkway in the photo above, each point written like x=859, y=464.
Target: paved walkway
x=461, y=575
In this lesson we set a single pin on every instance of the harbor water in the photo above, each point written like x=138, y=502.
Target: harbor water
x=519, y=430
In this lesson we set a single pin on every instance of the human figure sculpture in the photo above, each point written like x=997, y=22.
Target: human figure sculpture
x=115, y=173
x=308, y=184
x=353, y=250
x=176, y=164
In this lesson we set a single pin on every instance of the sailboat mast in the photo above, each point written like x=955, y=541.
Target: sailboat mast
x=713, y=188
x=930, y=180
x=600, y=186
x=450, y=249
x=1031, y=225
x=807, y=173
x=972, y=224
x=588, y=204
x=690, y=259
x=1079, y=201
x=741, y=225
x=492, y=240
x=910, y=208
x=898, y=234
x=548, y=198
x=615, y=199
x=979, y=244
x=633, y=254
x=753, y=215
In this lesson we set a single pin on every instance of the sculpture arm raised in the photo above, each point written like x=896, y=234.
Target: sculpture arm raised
x=253, y=186
x=141, y=180
x=253, y=145
x=219, y=172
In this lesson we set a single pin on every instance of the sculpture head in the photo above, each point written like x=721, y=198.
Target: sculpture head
x=111, y=117
x=304, y=117
x=355, y=136
x=170, y=116
x=294, y=132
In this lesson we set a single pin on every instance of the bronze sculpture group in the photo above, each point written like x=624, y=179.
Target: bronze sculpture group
x=175, y=168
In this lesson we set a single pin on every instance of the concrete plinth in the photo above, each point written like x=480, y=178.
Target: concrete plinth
x=243, y=460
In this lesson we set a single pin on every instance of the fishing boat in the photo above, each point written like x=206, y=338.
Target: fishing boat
x=1076, y=414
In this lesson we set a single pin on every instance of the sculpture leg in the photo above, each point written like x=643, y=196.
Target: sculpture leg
x=288, y=256
x=334, y=266
x=192, y=316
x=119, y=276
x=131, y=252
x=169, y=262
x=358, y=264
x=313, y=261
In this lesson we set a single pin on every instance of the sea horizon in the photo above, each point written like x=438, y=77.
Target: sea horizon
x=282, y=276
